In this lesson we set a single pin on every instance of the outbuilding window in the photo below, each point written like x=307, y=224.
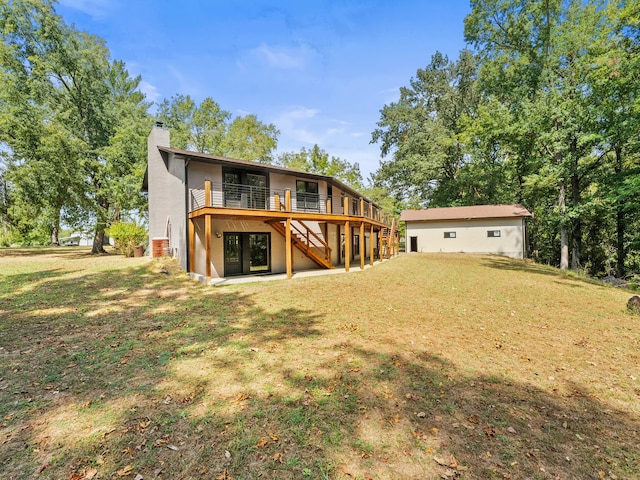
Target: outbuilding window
x=493, y=233
x=449, y=234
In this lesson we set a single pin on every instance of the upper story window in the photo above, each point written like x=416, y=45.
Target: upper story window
x=307, y=197
x=449, y=234
x=493, y=233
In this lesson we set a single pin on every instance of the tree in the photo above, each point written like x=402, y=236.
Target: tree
x=209, y=129
x=535, y=58
x=194, y=127
x=66, y=103
x=422, y=132
x=318, y=161
x=250, y=139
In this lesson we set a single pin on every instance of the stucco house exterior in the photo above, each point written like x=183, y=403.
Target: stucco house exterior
x=496, y=229
x=223, y=217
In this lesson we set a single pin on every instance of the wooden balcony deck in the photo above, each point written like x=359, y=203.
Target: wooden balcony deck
x=255, y=203
x=246, y=202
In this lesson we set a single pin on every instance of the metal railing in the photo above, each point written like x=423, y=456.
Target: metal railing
x=241, y=196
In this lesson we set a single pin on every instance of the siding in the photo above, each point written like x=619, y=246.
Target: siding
x=471, y=236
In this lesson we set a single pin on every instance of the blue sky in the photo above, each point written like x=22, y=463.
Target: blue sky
x=319, y=70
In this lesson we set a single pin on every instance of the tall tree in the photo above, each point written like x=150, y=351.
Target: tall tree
x=316, y=160
x=535, y=57
x=421, y=133
x=250, y=139
x=209, y=129
x=72, y=100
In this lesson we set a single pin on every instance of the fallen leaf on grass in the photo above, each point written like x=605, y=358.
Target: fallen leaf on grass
x=224, y=476
x=344, y=471
x=263, y=442
x=241, y=397
x=278, y=457
x=173, y=447
x=126, y=471
x=491, y=431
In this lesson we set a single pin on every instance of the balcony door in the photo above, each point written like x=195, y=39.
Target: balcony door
x=244, y=189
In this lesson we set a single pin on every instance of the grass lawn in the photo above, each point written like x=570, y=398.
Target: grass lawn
x=426, y=366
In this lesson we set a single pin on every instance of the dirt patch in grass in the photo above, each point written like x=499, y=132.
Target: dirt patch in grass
x=426, y=366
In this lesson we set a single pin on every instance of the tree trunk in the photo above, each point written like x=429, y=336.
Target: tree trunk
x=98, y=241
x=55, y=230
x=620, y=223
x=576, y=225
x=101, y=226
x=564, y=234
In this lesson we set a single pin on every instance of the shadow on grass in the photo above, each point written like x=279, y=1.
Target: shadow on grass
x=563, y=277
x=136, y=372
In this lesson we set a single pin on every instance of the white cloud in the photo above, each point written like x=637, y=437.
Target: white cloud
x=94, y=8
x=151, y=91
x=390, y=95
x=284, y=58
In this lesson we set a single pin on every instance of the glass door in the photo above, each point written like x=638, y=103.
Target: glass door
x=257, y=190
x=232, y=254
x=259, y=252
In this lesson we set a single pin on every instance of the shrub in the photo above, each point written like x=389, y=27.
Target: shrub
x=127, y=236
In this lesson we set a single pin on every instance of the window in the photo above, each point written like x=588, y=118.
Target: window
x=307, y=197
x=493, y=233
x=449, y=234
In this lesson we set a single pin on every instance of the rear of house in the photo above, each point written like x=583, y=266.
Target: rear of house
x=495, y=229
x=223, y=217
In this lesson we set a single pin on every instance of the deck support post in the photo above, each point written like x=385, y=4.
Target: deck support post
x=348, y=238
x=192, y=246
x=371, y=250
x=288, y=248
x=347, y=245
x=207, y=235
x=361, y=249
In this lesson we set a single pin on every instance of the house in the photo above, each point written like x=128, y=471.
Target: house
x=223, y=217
x=497, y=229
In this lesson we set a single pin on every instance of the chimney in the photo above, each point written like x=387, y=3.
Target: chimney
x=159, y=137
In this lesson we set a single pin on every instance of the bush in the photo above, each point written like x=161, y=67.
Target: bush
x=127, y=236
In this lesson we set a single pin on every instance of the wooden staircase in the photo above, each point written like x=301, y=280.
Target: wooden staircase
x=307, y=241
x=388, y=240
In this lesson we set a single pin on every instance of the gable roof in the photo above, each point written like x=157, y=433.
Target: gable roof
x=465, y=213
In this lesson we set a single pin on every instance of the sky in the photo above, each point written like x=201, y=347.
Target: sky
x=319, y=70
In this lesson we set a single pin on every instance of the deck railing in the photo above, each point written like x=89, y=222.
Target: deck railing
x=239, y=196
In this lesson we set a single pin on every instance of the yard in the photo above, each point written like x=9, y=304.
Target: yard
x=427, y=366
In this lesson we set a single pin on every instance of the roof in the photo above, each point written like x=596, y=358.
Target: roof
x=465, y=213
x=266, y=167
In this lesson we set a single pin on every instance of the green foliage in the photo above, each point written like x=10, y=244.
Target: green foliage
x=73, y=122
x=127, y=236
x=318, y=161
x=421, y=134
x=545, y=114
x=209, y=129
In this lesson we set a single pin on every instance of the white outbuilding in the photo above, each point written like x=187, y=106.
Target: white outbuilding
x=496, y=229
